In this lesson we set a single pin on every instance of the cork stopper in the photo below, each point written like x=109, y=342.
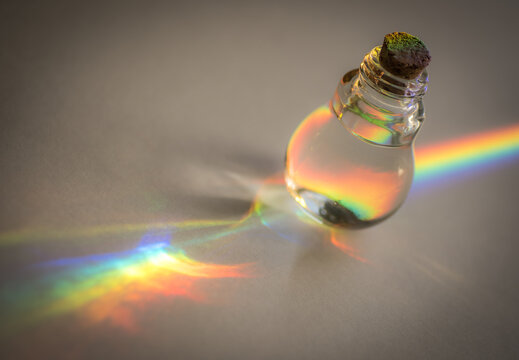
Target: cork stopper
x=404, y=55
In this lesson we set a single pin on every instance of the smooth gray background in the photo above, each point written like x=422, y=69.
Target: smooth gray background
x=136, y=112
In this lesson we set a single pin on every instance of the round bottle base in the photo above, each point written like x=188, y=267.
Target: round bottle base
x=328, y=211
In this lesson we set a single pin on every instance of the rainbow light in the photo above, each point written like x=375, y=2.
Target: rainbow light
x=374, y=134
x=465, y=156
x=110, y=287
x=28, y=235
x=345, y=247
x=374, y=128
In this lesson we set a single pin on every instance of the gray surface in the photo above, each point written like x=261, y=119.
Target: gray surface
x=126, y=113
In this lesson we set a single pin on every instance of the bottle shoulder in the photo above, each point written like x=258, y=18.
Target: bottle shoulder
x=374, y=117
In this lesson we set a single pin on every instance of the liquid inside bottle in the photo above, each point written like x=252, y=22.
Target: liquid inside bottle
x=351, y=163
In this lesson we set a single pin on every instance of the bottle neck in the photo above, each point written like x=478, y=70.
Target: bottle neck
x=387, y=110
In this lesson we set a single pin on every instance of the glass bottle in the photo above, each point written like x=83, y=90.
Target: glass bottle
x=351, y=162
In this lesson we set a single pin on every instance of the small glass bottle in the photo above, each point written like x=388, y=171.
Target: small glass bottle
x=351, y=162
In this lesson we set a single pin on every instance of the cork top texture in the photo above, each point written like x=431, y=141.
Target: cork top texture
x=404, y=55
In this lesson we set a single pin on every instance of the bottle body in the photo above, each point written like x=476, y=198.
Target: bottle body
x=342, y=179
x=351, y=162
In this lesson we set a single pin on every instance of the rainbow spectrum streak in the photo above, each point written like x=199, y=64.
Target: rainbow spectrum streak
x=465, y=156
x=109, y=287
